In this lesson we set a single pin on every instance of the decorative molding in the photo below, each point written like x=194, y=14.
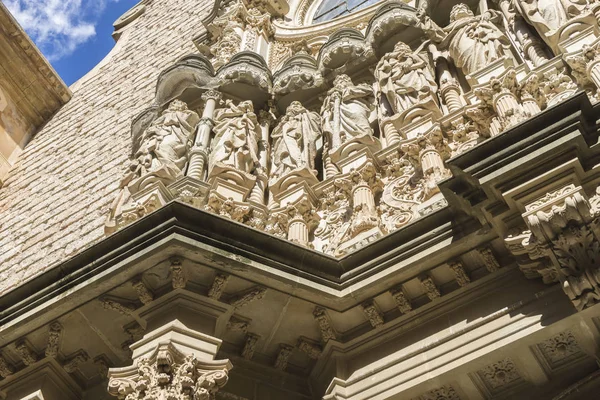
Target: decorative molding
x=248, y=296
x=324, y=322
x=489, y=259
x=168, y=373
x=74, y=362
x=401, y=300
x=24, y=350
x=250, y=345
x=460, y=274
x=285, y=351
x=558, y=351
x=218, y=286
x=144, y=294
x=311, y=349
x=430, y=288
x=55, y=331
x=372, y=313
x=178, y=276
x=499, y=377
x=6, y=369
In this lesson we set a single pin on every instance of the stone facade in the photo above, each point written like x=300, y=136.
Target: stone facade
x=402, y=202
x=64, y=181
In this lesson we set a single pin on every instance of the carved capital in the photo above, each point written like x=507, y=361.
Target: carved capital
x=211, y=95
x=169, y=374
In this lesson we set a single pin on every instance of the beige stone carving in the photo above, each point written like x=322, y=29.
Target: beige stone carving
x=311, y=349
x=443, y=393
x=294, y=141
x=24, y=351
x=237, y=325
x=54, y=338
x=489, y=259
x=247, y=297
x=250, y=345
x=178, y=276
x=559, y=349
x=474, y=41
x=5, y=368
x=144, y=294
x=460, y=274
x=404, y=79
x=285, y=351
x=218, y=286
x=430, y=288
x=497, y=376
x=347, y=111
x=324, y=323
x=162, y=153
x=74, y=362
x=113, y=305
x=372, y=313
x=235, y=144
x=169, y=374
x=401, y=300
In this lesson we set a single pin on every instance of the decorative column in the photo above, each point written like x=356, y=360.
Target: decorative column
x=428, y=150
x=301, y=219
x=585, y=65
x=449, y=88
x=258, y=191
x=199, y=151
x=390, y=132
x=531, y=45
x=501, y=93
x=329, y=168
x=171, y=362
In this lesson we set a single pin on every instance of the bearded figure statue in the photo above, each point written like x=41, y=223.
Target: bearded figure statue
x=294, y=140
x=404, y=79
x=162, y=153
x=236, y=137
x=348, y=111
x=474, y=41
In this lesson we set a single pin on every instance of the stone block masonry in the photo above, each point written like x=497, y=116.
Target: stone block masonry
x=55, y=199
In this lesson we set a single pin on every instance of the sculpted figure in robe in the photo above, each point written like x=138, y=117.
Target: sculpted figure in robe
x=294, y=140
x=404, y=78
x=163, y=146
x=160, y=157
x=348, y=111
x=236, y=137
x=548, y=15
x=474, y=41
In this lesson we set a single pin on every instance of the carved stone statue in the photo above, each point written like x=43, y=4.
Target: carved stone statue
x=163, y=146
x=294, y=140
x=404, y=78
x=236, y=137
x=348, y=111
x=547, y=16
x=474, y=41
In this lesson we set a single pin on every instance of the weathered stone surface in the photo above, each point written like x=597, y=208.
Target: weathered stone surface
x=54, y=202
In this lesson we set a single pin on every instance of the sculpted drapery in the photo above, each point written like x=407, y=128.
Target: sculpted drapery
x=474, y=41
x=163, y=146
x=235, y=143
x=404, y=78
x=347, y=111
x=548, y=15
x=294, y=140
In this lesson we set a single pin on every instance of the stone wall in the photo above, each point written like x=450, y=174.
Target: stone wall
x=55, y=199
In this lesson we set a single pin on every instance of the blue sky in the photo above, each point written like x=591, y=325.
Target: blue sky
x=74, y=35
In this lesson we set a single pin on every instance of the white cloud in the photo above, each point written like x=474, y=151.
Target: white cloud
x=58, y=27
